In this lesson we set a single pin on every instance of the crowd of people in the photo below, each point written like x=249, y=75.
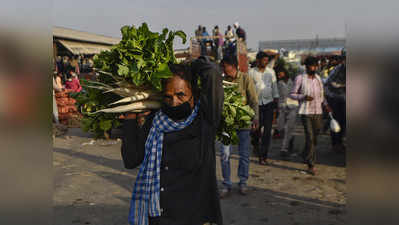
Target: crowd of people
x=175, y=146
x=221, y=44
x=66, y=78
x=67, y=71
x=308, y=95
x=69, y=67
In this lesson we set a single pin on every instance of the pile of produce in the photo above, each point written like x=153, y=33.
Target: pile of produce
x=129, y=80
x=67, y=111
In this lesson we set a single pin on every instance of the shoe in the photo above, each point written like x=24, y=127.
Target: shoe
x=312, y=170
x=224, y=192
x=243, y=190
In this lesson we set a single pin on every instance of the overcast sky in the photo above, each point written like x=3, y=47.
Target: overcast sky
x=262, y=20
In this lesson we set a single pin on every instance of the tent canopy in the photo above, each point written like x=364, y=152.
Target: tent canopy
x=78, y=48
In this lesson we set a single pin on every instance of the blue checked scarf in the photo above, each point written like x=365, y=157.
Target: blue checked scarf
x=145, y=196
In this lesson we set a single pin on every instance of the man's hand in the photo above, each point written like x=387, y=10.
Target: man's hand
x=139, y=116
x=308, y=98
x=255, y=124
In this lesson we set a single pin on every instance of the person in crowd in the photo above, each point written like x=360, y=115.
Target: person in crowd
x=73, y=84
x=175, y=149
x=56, y=88
x=59, y=64
x=229, y=35
x=288, y=109
x=204, y=41
x=333, y=62
x=336, y=96
x=58, y=80
x=66, y=67
x=198, y=33
x=267, y=90
x=85, y=65
x=230, y=42
x=309, y=91
x=75, y=64
x=323, y=70
x=218, y=43
x=240, y=32
x=247, y=89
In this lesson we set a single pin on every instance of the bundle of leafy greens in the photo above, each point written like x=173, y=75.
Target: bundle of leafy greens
x=130, y=77
x=235, y=115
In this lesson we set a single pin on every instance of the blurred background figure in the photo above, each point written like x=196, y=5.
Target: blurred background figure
x=198, y=33
x=288, y=110
x=240, y=32
x=336, y=97
x=73, y=84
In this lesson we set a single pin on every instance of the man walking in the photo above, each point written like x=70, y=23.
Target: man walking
x=309, y=91
x=267, y=90
x=247, y=89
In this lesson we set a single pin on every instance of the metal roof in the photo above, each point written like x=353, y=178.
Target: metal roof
x=78, y=48
x=71, y=34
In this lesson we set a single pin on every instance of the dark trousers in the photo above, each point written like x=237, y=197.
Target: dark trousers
x=338, y=107
x=312, y=125
x=265, y=121
x=154, y=220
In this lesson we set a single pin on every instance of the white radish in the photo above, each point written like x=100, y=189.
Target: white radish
x=124, y=92
x=97, y=87
x=138, y=97
x=133, y=106
x=229, y=83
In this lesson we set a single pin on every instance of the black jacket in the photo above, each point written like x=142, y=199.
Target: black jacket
x=189, y=193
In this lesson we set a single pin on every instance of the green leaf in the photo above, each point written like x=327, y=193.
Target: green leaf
x=106, y=125
x=163, y=71
x=123, y=70
x=182, y=35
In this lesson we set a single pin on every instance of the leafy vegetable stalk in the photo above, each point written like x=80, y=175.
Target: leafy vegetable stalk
x=130, y=77
x=235, y=116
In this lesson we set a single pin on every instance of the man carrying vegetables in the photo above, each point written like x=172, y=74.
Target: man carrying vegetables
x=247, y=88
x=174, y=147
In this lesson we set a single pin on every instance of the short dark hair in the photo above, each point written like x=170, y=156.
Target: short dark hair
x=183, y=71
x=261, y=55
x=230, y=60
x=311, y=61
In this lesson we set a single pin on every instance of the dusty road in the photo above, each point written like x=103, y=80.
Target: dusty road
x=92, y=187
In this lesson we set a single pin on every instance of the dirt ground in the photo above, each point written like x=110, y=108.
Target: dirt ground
x=92, y=187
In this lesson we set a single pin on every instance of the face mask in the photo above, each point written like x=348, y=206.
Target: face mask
x=311, y=72
x=179, y=112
